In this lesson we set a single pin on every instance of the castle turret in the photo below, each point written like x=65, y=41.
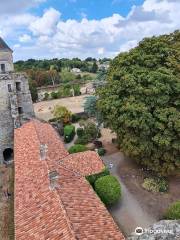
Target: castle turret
x=15, y=101
x=6, y=57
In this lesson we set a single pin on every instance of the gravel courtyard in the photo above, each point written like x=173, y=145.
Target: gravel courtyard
x=43, y=110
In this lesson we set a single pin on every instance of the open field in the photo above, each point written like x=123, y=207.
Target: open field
x=43, y=110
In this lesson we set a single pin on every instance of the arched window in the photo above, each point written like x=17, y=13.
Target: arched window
x=8, y=154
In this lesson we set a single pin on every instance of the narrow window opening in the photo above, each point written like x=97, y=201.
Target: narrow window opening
x=9, y=88
x=18, y=86
x=8, y=154
x=3, y=68
x=20, y=110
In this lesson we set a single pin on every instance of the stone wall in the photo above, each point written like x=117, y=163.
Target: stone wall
x=7, y=59
x=11, y=100
x=162, y=230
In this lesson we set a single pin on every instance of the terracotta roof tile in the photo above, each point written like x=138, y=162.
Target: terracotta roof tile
x=53, y=200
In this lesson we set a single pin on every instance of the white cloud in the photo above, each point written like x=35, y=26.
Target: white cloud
x=46, y=25
x=53, y=37
x=25, y=38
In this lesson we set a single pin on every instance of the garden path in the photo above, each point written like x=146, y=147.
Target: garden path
x=128, y=212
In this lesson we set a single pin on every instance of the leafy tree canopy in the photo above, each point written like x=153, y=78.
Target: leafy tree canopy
x=62, y=113
x=141, y=102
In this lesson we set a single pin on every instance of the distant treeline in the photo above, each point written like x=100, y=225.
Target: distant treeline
x=87, y=65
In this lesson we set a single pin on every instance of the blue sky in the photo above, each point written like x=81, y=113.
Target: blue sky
x=82, y=28
x=93, y=9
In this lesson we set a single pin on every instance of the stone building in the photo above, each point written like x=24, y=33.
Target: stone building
x=15, y=101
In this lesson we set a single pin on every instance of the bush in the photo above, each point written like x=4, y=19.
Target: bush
x=93, y=178
x=77, y=148
x=82, y=140
x=101, y=151
x=69, y=133
x=80, y=132
x=75, y=118
x=173, y=212
x=155, y=184
x=54, y=95
x=108, y=189
x=46, y=96
x=90, y=129
x=62, y=114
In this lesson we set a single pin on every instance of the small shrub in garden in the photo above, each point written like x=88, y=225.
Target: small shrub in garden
x=80, y=132
x=54, y=95
x=77, y=148
x=69, y=133
x=75, y=118
x=108, y=189
x=93, y=178
x=82, y=140
x=46, y=96
x=155, y=184
x=173, y=212
x=101, y=151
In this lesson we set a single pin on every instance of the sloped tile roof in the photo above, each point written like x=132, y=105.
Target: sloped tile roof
x=4, y=46
x=64, y=208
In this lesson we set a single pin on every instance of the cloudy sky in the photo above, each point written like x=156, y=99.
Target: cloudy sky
x=83, y=28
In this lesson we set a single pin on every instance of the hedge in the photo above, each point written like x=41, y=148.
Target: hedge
x=93, y=178
x=108, y=189
x=173, y=212
x=77, y=148
x=69, y=133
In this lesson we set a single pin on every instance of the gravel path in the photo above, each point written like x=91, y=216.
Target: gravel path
x=128, y=212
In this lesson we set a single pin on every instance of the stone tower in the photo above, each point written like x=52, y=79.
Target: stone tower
x=15, y=101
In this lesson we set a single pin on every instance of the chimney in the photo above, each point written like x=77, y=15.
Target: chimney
x=53, y=178
x=43, y=151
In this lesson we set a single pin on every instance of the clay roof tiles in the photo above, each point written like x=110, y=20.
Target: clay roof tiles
x=69, y=210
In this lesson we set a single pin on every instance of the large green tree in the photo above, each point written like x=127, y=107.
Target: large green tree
x=141, y=102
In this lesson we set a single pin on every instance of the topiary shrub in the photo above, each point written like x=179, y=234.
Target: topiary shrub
x=155, y=184
x=93, y=178
x=173, y=212
x=77, y=148
x=80, y=132
x=69, y=133
x=101, y=151
x=108, y=189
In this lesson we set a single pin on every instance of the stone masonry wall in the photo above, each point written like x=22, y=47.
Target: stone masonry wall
x=21, y=98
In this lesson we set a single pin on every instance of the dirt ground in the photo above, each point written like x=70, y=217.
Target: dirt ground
x=106, y=138
x=154, y=203
x=43, y=110
x=6, y=204
x=131, y=175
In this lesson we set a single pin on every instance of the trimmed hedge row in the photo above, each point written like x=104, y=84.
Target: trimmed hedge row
x=77, y=148
x=69, y=133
